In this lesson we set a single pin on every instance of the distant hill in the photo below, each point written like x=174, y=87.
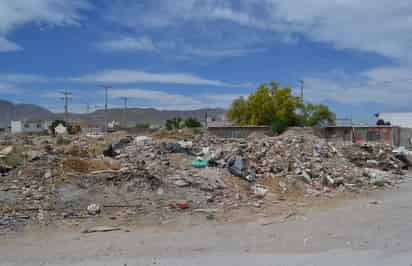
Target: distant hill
x=146, y=115
x=10, y=111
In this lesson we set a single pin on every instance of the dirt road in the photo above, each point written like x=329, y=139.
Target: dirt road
x=376, y=230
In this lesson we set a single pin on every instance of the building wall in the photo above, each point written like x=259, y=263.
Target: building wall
x=29, y=127
x=238, y=132
x=16, y=127
x=405, y=136
x=358, y=134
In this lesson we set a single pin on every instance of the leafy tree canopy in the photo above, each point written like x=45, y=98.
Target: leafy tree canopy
x=275, y=106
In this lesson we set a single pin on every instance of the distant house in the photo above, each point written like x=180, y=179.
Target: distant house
x=361, y=134
x=29, y=126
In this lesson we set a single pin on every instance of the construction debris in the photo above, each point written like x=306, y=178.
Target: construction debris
x=129, y=176
x=93, y=209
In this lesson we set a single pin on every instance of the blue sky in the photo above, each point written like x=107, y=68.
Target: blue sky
x=186, y=54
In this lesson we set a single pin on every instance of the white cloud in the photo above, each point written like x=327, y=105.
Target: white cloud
x=234, y=52
x=16, y=13
x=134, y=76
x=8, y=46
x=158, y=99
x=382, y=28
x=390, y=87
x=173, y=101
x=22, y=78
x=128, y=44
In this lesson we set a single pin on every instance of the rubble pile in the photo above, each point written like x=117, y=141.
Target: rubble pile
x=303, y=157
x=380, y=156
x=46, y=179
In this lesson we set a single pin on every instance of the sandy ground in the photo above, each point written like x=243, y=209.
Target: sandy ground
x=374, y=230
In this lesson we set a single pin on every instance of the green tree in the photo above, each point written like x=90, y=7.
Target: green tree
x=192, y=123
x=317, y=115
x=239, y=111
x=142, y=125
x=275, y=106
x=175, y=123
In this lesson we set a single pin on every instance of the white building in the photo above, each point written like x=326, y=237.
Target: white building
x=16, y=127
x=401, y=119
x=29, y=126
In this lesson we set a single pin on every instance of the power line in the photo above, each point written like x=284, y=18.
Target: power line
x=67, y=96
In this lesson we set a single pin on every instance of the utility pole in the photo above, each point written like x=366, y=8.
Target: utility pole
x=302, y=85
x=205, y=119
x=87, y=107
x=106, y=104
x=125, y=99
x=66, y=98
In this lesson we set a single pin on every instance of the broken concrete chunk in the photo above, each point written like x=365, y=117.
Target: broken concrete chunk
x=372, y=163
x=181, y=183
x=306, y=177
x=93, y=209
x=259, y=191
x=143, y=140
x=6, y=151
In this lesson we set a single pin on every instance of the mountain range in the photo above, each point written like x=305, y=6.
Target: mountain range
x=29, y=112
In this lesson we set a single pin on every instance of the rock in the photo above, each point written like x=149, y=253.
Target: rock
x=143, y=140
x=38, y=196
x=377, y=177
x=379, y=181
x=48, y=174
x=372, y=163
x=34, y=155
x=6, y=151
x=93, y=209
x=181, y=183
x=306, y=177
x=259, y=191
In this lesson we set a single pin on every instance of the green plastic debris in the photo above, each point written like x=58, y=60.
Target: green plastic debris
x=200, y=163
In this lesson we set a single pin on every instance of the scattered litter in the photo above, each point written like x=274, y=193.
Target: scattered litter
x=200, y=163
x=180, y=204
